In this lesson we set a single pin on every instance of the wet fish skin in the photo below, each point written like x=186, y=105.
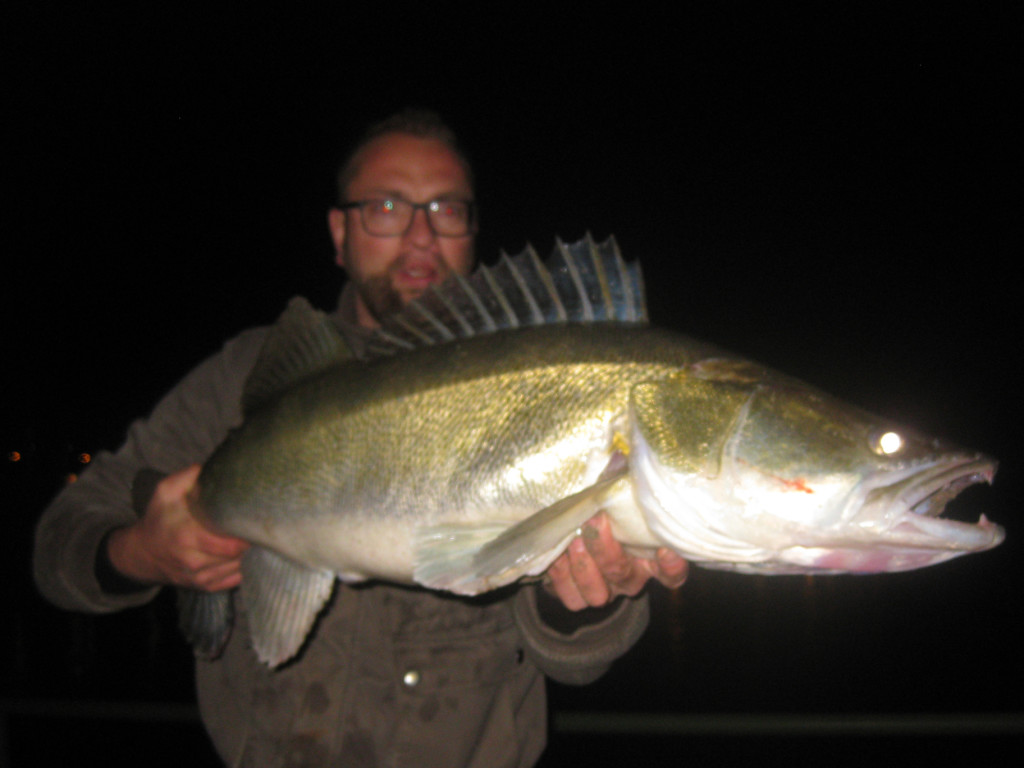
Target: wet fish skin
x=484, y=430
x=469, y=463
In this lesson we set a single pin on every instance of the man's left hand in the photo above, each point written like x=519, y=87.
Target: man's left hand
x=595, y=568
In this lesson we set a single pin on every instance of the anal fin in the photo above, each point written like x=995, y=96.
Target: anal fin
x=282, y=600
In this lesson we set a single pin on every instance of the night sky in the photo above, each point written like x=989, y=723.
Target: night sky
x=834, y=194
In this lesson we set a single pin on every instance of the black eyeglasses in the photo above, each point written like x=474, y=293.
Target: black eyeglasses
x=392, y=216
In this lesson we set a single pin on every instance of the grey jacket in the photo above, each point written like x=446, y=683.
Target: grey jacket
x=392, y=676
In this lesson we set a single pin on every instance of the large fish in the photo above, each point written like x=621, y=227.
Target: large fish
x=501, y=412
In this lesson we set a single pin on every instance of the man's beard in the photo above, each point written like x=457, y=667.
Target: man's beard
x=380, y=297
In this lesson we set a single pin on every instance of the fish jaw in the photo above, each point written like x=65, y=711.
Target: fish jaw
x=886, y=558
x=741, y=518
x=889, y=522
x=898, y=526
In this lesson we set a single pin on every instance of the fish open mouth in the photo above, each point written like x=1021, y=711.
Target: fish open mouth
x=926, y=494
x=930, y=492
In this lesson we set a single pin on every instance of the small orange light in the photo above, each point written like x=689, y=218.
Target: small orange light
x=14, y=456
x=84, y=458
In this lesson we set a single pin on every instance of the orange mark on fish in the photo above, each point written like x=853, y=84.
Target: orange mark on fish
x=796, y=485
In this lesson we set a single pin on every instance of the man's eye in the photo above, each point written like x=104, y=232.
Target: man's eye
x=382, y=207
x=449, y=210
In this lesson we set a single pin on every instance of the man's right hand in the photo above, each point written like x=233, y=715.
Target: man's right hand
x=168, y=545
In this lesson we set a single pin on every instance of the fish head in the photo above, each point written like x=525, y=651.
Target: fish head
x=740, y=468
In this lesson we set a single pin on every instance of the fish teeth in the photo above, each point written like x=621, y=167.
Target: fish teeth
x=929, y=497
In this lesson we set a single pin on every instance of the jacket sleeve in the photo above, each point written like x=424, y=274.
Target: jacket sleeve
x=184, y=428
x=583, y=650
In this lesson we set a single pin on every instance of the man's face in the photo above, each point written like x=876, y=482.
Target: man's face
x=388, y=272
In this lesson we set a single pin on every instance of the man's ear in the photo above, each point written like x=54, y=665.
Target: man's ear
x=336, y=225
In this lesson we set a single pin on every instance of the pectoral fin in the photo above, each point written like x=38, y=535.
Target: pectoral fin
x=470, y=560
x=282, y=600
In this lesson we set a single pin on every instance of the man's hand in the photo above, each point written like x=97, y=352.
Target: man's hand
x=596, y=569
x=168, y=545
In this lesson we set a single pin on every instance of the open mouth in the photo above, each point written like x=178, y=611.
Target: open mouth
x=930, y=492
x=927, y=494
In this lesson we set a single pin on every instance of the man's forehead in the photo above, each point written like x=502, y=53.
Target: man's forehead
x=396, y=161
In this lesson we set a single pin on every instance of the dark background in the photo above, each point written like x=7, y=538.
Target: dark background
x=834, y=193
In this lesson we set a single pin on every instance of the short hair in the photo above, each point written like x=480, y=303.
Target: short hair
x=421, y=123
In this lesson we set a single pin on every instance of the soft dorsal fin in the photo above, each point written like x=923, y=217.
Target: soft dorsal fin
x=302, y=342
x=583, y=282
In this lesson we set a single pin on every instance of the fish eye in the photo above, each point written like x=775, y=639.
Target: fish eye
x=887, y=442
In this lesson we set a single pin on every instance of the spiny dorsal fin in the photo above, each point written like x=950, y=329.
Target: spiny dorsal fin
x=302, y=342
x=580, y=283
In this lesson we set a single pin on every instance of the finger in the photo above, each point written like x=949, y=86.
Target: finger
x=220, y=546
x=607, y=553
x=586, y=574
x=618, y=568
x=176, y=486
x=218, y=577
x=672, y=569
x=563, y=586
x=200, y=571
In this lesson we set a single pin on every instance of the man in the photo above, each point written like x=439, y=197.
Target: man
x=391, y=675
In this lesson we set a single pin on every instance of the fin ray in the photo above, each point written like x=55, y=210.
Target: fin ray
x=469, y=560
x=206, y=620
x=584, y=282
x=302, y=342
x=283, y=600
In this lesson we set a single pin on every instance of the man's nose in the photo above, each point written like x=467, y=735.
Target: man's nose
x=420, y=231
